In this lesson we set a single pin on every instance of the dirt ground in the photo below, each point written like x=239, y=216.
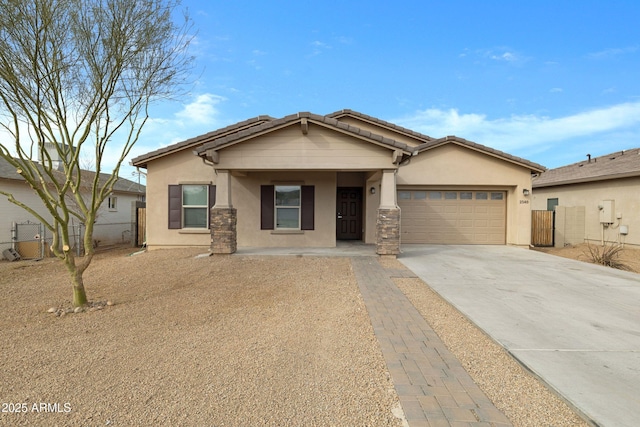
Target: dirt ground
x=225, y=341
x=191, y=341
x=630, y=256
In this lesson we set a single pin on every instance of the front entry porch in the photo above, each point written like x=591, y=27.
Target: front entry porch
x=320, y=209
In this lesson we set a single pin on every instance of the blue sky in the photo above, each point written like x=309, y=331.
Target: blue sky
x=549, y=81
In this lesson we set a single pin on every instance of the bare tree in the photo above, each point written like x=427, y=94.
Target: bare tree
x=78, y=75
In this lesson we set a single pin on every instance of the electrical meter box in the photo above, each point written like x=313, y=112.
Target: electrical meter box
x=607, y=212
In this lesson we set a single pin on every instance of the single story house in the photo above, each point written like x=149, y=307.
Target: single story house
x=21, y=231
x=308, y=180
x=596, y=200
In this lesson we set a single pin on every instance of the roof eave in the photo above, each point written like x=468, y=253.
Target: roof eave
x=586, y=180
x=323, y=121
x=382, y=123
x=451, y=139
x=141, y=161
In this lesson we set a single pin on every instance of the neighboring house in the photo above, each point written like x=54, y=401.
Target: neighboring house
x=113, y=224
x=308, y=180
x=596, y=200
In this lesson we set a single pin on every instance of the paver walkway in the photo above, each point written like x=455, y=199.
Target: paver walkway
x=433, y=387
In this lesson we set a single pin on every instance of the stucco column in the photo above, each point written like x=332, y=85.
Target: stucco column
x=388, y=189
x=388, y=220
x=223, y=189
x=224, y=217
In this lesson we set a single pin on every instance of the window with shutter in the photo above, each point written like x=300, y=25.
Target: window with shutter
x=189, y=205
x=287, y=207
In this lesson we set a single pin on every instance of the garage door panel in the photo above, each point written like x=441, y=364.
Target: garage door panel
x=468, y=218
x=451, y=209
x=460, y=236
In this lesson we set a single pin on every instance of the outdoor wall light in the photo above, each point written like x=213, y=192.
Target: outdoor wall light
x=372, y=190
x=525, y=191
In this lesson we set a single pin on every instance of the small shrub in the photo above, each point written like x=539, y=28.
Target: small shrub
x=607, y=255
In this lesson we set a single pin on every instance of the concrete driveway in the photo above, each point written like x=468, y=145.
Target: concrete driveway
x=575, y=325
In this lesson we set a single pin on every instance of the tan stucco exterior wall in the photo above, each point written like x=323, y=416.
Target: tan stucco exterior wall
x=319, y=149
x=246, y=198
x=454, y=167
x=179, y=168
x=625, y=194
x=326, y=159
x=185, y=168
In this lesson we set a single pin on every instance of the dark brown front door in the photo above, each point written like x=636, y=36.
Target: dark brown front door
x=349, y=214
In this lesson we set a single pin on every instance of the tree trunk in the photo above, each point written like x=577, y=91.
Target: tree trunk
x=79, y=295
x=75, y=271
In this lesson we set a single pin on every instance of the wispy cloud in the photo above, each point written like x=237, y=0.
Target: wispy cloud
x=320, y=44
x=344, y=40
x=318, y=47
x=503, y=55
x=613, y=52
x=254, y=64
x=526, y=133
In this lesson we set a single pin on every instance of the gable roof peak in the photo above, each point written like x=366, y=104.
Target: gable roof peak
x=535, y=167
x=294, y=118
x=141, y=161
x=347, y=112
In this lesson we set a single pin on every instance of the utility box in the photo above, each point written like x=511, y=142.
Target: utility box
x=11, y=254
x=607, y=212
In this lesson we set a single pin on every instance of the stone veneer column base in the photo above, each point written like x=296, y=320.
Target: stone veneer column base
x=223, y=230
x=388, y=231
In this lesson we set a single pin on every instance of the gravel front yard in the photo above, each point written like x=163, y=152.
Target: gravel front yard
x=191, y=341
x=226, y=340
x=629, y=255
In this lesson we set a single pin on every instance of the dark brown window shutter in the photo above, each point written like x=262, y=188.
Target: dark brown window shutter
x=307, y=207
x=267, y=208
x=175, y=206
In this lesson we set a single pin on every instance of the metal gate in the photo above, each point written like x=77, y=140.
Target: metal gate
x=542, y=228
x=29, y=238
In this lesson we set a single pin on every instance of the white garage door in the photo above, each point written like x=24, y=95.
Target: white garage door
x=453, y=217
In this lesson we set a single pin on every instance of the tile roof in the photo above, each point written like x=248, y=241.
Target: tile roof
x=479, y=147
x=7, y=171
x=620, y=164
x=237, y=132
x=293, y=118
x=142, y=160
x=380, y=122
